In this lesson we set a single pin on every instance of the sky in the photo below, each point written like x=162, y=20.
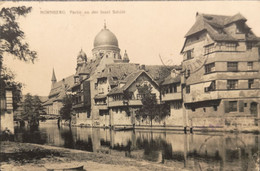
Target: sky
x=147, y=30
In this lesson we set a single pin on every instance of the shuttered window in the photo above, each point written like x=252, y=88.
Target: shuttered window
x=226, y=105
x=241, y=106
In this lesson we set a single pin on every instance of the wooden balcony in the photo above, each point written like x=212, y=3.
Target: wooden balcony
x=171, y=96
x=221, y=94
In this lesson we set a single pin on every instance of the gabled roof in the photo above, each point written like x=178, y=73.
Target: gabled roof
x=129, y=80
x=215, y=26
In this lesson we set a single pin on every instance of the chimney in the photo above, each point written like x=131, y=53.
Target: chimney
x=142, y=67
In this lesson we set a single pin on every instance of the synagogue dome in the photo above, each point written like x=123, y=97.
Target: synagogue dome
x=105, y=38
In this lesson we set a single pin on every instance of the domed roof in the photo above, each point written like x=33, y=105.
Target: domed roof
x=105, y=38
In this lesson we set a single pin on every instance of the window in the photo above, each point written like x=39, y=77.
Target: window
x=232, y=66
x=171, y=88
x=211, y=87
x=215, y=108
x=232, y=84
x=250, y=65
x=189, y=54
x=174, y=88
x=209, y=68
x=250, y=83
x=209, y=49
x=233, y=106
x=230, y=46
x=187, y=73
x=249, y=45
x=187, y=89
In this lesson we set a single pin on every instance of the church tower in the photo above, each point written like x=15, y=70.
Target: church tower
x=53, y=79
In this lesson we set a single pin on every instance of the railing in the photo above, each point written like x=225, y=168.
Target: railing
x=172, y=96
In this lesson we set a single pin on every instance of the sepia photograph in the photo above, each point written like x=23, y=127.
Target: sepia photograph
x=130, y=85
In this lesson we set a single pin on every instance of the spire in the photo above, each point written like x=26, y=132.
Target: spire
x=126, y=58
x=53, y=79
x=105, y=25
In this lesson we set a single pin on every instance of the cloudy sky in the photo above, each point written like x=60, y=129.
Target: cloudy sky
x=58, y=30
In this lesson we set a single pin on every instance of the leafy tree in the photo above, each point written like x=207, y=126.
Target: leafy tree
x=149, y=101
x=150, y=108
x=32, y=108
x=12, y=37
x=12, y=43
x=37, y=104
x=66, y=110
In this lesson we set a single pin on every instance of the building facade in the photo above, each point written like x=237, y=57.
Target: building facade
x=220, y=74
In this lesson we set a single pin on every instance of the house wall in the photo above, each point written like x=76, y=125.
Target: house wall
x=176, y=114
x=7, y=117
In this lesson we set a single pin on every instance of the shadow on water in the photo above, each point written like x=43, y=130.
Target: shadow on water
x=30, y=135
x=202, y=151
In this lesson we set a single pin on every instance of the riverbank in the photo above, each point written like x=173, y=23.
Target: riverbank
x=26, y=157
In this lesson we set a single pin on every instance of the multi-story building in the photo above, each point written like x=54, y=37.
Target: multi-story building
x=97, y=78
x=125, y=99
x=221, y=72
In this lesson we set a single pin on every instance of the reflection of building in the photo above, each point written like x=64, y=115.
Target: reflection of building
x=220, y=79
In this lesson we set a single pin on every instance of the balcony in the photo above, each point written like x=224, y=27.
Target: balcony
x=221, y=94
x=102, y=107
x=171, y=96
x=124, y=103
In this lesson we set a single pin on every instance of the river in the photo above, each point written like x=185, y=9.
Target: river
x=198, y=151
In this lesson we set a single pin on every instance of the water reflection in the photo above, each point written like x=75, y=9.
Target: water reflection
x=218, y=151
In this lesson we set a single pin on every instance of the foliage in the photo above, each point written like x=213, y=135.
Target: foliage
x=11, y=36
x=66, y=110
x=150, y=108
x=32, y=108
x=7, y=80
x=12, y=42
x=126, y=97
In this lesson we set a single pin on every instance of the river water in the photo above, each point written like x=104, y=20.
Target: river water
x=198, y=151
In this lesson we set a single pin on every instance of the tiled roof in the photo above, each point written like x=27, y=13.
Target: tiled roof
x=118, y=71
x=128, y=82
x=100, y=96
x=170, y=80
x=89, y=67
x=215, y=26
x=59, y=89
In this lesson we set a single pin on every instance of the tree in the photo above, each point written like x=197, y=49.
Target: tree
x=12, y=41
x=66, y=110
x=150, y=108
x=32, y=108
x=126, y=97
x=12, y=37
x=149, y=102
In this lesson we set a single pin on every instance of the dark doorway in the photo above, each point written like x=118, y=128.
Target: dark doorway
x=253, y=108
